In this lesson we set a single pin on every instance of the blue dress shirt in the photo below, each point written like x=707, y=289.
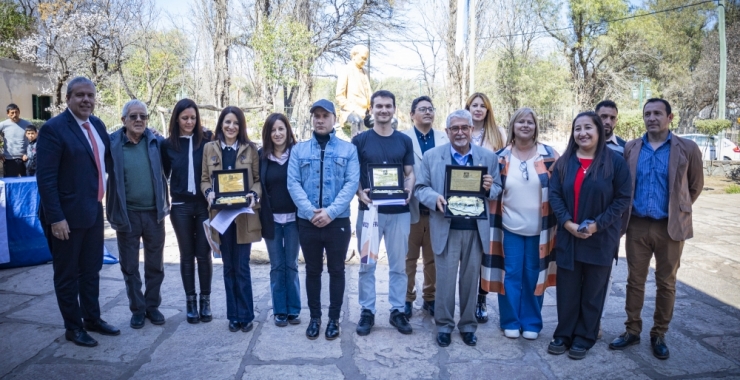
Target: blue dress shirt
x=459, y=158
x=651, y=181
x=426, y=142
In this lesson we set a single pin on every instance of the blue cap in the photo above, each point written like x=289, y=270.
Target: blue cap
x=325, y=104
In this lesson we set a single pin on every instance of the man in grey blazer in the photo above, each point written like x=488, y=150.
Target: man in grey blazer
x=424, y=138
x=456, y=242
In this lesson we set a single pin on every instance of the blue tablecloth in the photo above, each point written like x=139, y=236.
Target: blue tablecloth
x=26, y=241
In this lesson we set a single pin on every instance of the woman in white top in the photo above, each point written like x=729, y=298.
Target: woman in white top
x=485, y=134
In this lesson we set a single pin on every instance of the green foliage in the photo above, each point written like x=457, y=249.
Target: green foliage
x=733, y=189
x=631, y=125
x=712, y=127
x=13, y=26
x=282, y=47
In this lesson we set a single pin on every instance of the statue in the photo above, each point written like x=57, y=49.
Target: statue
x=353, y=90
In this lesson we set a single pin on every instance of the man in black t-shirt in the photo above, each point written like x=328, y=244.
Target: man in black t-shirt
x=383, y=144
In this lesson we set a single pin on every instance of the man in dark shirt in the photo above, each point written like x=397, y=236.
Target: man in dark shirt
x=137, y=204
x=609, y=114
x=382, y=144
x=424, y=137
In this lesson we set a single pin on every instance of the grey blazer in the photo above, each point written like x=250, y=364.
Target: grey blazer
x=430, y=184
x=439, y=139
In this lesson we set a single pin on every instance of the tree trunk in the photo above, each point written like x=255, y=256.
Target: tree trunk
x=221, y=42
x=457, y=76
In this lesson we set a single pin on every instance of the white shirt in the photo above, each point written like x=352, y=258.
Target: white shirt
x=522, y=199
x=98, y=141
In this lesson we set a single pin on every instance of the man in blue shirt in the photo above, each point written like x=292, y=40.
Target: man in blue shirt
x=424, y=137
x=667, y=177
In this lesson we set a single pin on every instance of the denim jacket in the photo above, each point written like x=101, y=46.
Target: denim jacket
x=341, y=177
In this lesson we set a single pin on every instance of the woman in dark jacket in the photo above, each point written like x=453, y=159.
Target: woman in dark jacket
x=182, y=157
x=277, y=216
x=590, y=190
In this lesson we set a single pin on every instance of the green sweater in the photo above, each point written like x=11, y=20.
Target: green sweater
x=138, y=176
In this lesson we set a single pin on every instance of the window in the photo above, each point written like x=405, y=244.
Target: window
x=40, y=104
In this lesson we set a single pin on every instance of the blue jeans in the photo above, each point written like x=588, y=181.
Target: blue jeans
x=284, y=283
x=520, y=308
x=237, y=277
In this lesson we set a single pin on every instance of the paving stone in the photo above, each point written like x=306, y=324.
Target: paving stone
x=123, y=348
x=9, y=301
x=297, y=346
x=43, y=309
x=386, y=354
x=21, y=341
x=694, y=358
x=5, y=273
x=64, y=371
x=729, y=345
x=701, y=319
x=281, y=372
x=209, y=348
x=477, y=369
x=36, y=281
x=492, y=345
x=109, y=290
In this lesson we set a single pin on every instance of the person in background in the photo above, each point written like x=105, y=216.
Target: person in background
x=233, y=150
x=522, y=230
x=136, y=206
x=277, y=216
x=14, y=150
x=31, y=133
x=590, y=191
x=182, y=157
x=488, y=135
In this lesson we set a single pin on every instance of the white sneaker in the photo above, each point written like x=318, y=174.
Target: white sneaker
x=513, y=334
x=531, y=335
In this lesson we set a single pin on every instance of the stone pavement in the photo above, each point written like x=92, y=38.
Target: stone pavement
x=704, y=338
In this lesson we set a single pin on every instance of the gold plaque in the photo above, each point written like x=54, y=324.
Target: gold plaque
x=231, y=182
x=466, y=180
x=385, y=177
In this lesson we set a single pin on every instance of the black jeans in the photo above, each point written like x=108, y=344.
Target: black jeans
x=77, y=263
x=14, y=168
x=144, y=226
x=187, y=221
x=334, y=240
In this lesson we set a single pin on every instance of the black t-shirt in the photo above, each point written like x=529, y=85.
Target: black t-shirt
x=373, y=148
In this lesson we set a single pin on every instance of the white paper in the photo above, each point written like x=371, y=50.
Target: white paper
x=389, y=202
x=223, y=219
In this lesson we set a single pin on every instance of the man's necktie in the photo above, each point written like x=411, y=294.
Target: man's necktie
x=96, y=153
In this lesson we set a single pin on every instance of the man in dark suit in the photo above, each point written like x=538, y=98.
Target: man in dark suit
x=73, y=154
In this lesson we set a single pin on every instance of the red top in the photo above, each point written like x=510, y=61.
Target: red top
x=585, y=163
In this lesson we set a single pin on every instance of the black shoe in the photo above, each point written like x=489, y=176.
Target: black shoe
x=399, y=321
x=137, y=321
x=281, y=320
x=556, y=347
x=407, y=310
x=247, y=327
x=81, y=338
x=205, y=308
x=332, y=329
x=191, y=309
x=469, y=338
x=155, y=316
x=623, y=341
x=443, y=339
x=429, y=307
x=577, y=352
x=294, y=319
x=234, y=326
x=481, y=314
x=314, y=327
x=660, y=350
x=366, y=323
x=102, y=327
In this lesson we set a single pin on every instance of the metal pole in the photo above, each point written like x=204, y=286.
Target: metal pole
x=471, y=53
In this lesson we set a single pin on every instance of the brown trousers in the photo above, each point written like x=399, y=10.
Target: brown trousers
x=646, y=237
x=420, y=241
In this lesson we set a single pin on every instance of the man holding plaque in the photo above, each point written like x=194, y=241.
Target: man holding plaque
x=424, y=138
x=459, y=235
x=384, y=146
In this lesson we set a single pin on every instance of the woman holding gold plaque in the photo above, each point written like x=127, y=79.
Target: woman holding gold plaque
x=182, y=158
x=233, y=150
x=277, y=215
x=521, y=233
x=591, y=189
x=488, y=135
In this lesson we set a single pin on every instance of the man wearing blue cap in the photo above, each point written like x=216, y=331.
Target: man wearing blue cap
x=323, y=175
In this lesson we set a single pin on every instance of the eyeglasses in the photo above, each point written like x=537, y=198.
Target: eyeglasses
x=425, y=109
x=456, y=129
x=523, y=168
x=134, y=117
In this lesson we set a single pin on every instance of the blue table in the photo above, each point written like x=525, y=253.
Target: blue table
x=19, y=207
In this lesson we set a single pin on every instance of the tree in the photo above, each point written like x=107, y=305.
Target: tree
x=14, y=25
